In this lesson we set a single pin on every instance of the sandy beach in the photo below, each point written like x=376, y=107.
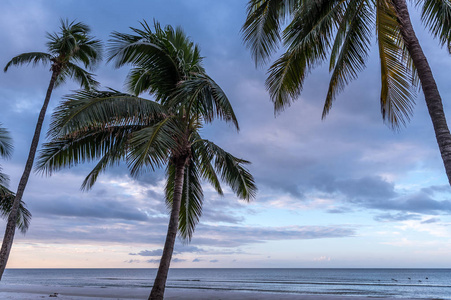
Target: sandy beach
x=32, y=292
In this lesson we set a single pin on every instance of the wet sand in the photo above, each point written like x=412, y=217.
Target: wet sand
x=32, y=292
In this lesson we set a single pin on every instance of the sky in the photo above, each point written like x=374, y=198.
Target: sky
x=342, y=192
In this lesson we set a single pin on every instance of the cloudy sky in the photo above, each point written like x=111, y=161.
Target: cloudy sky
x=344, y=192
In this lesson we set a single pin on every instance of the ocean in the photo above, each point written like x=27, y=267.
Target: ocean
x=399, y=283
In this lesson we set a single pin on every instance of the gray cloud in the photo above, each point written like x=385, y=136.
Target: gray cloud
x=338, y=210
x=377, y=193
x=95, y=230
x=430, y=221
x=156, y=252
x=234, y=236
x=396, y=217
x=132, y=261
x=179, y=250
x=173, y=260
x=76, y=207
x=155, y=261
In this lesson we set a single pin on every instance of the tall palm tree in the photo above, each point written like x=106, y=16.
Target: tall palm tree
x=343, y=29
x=111, y=126
x=6, y=196
x=66, y=49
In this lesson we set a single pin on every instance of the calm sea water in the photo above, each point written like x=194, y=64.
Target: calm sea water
x=402, y=283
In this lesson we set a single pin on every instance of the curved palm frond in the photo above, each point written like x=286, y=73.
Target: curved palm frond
x=84, y=146
x=151, y=146
x=140, y=80
x=308, y=38
x=101, y=108
x=6, y=202
x=231, y=170
x=6, y=146
x=81, y=76
x=4, y=179
x=203, y=96
x=350, y=49
x=204, y=159
x=192, y=198
x=436, y=14
x=398, y=77
x=116, y=151
x=89, y=52
x=150, y=56
x=261, y=30
x=29, y=58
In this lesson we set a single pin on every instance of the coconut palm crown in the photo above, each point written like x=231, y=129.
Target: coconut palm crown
x=110, y=126
x=341, y=31
x=66, y=50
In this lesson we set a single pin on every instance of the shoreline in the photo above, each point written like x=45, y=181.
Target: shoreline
x=32, y=292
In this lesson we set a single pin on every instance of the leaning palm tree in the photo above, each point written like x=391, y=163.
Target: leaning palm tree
x=111, y=126
x=6, y=196
x=343, y=29
x=65, y=50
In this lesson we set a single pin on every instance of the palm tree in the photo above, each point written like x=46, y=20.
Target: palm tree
x=6, y=196
x=148, y=134
x=73, y=45
x=343, y=29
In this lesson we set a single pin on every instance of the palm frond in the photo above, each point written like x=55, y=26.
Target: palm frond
x=308, y=38
x=261, y=30
x=398, y=75
x=6, y=202
x=436, y=14
x=203, y=96
x=29, y=58
x=232, y=171
x=192, y=198
x=4, y=179
x=146, y=48
x=101, y=108
x=83, y=77
x=161, y=59
x=350, y=49
x=89, y=52
x=84, y=146
x=6, y=146
x=204, y=159
x=151, y=146
x=140, y=80
x=111, y=156
x=163, y=69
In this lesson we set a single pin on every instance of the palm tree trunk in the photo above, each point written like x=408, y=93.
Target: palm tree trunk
x=159, y=284
x=431, y=93
x=14, y=214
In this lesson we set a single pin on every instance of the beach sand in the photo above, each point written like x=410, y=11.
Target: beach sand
x=32, y=292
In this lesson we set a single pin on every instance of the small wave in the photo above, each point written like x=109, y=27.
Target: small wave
x=283, y=291
x=197, y=280
x=124, y=279
x=328, y=283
